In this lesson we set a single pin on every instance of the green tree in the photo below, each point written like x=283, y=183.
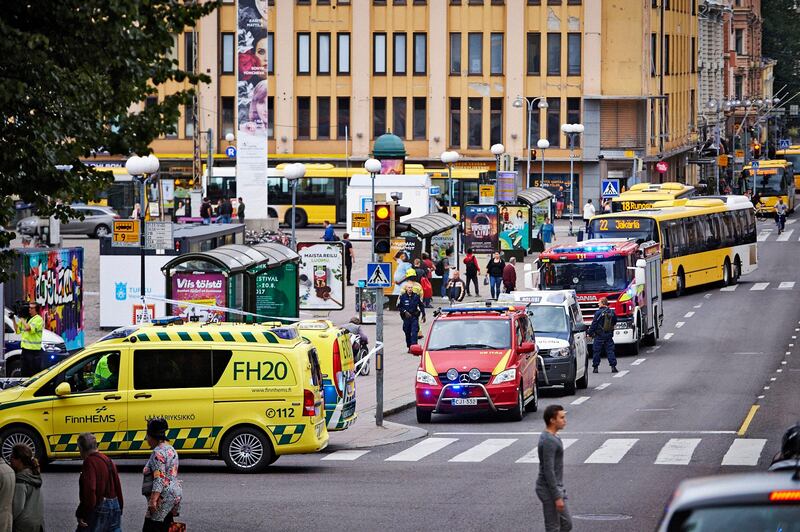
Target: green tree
x=781, y=41
x=70, y=70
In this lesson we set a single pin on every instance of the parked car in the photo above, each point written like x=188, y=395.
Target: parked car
x=54, y=349
x=97, y=221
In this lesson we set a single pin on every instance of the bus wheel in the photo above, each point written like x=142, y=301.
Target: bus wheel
x=681, y=284
x=737, y=270
x=300, y=218
x=726, y=273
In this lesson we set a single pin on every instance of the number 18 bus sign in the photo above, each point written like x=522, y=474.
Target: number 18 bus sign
x=662, y=167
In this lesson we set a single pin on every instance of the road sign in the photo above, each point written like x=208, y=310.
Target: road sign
x=754, y=165
x=434, y=191
x=126, y=233
x=360, y=220
x=158, y=235
x=662, y=167
x=784, y=144
x=486, y=194
x=378, y=275
x=230, y=151
x=610, y=188
x=722, y=160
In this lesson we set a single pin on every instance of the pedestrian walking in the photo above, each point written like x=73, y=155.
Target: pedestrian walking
x=455, y=288
x=160, y=486
x=224, y=211
x=780, y=215
x=442, y=269
x=349, y=256
x=420, y=268
x=510, y=275
x=560, y=197
x=240, y=211
x=547, y=233
x=602, y=332
x=205, y=211
x=7, y=487
x=100, y=508
x=329, y=235
x=550, y=482
x=428, y=263
x=411, y=310
x=494, y=271
x=28, y=507
x=472, y=271
x=588, y=213
x=400, y=272
x=30, y=329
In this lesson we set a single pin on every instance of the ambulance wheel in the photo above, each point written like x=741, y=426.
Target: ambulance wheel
x=247, y=450
x=20, y=434
x=423, y=415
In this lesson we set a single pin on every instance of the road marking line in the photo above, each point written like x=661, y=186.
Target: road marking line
x=730, y=288
x=779, y=370
x=581, y=400
x=747, y=420
x=611, y=451
x=794, y=337
x=668, y=336
x=698, y=305
x=638, y=361
x=707, y=296
x=759, y=286
x=760, y=396
x=621, y=373
x=762, y=236
x=786, y=285
x=680, y=324
x=789, y=222
x=791, y=345
x=602, y=386
x=766, y=387
x=783, y=362
x=483, y=450
x=654, y=349
x=689, y=314
x=601, y=432
x=677, y=451
x=346, y=455
x=773, y=379
x=532, y=456
x=422, y=449
x=744, y=452
x=785, y=236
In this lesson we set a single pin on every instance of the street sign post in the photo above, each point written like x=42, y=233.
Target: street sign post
x=361, y=220
x=754, y=165
x=379, y=275
x=434, y=191
x=125, y=234
x=609, y=188
x=158, y=235
x=784, y=144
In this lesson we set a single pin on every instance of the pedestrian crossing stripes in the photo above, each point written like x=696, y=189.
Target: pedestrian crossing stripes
x=612, y=451
x=421, y=450
x=483, y=450
x=744, y=452
x=532, y=456
x=784, y=237
x=760, y=287
x=677, y=451
x=771, y=235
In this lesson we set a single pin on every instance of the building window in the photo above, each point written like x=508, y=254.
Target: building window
x=399, y=117
x=574, y=115
x=188, y=51
x=226, y=117
x=379, y=53
x=496, y=56
x=270, y=52
x=666, y=118
x=227, y=49
x=420, y=53
x=343, y=53
x=553, y=54
x=496, y=121
x=554, y=121
x=323, y=53
x=323, y=117
x=692, y=109
x=378, y=117
x=653, y=123
x=666, y=64
x=455, y=54
x=343, y=117
x=303, y=117
x=303, y=53
x=737, y=86
x=420, y=118
x=574, y=54
x=693, y=58
x=739, y=41
x=534, y=54
x=475, y=123
x=475, y=53
x=653, y=54
x=535, y=122
x=399, y=53
x=188, y=120
x=270, y=117
x=455, y=122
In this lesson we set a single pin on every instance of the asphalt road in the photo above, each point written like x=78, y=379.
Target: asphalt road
x=673, y=412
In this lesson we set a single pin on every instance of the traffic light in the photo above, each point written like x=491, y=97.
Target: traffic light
x=533, y=155
x=398, y=227
x=756, y=151
x=383, y=227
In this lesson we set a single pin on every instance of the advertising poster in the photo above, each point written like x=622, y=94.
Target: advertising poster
x=481, y=228
x=442, y=242
x=276, y=292
x=54, y=279
x=206, y=288
x=367, y=305
x=515, y=231
x=321, y=275
x=413, y=248
x=393, y=166
x=120, y=292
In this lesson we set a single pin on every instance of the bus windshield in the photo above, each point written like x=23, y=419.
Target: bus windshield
x=587, y=276
x=642, y=229
x=769, y=181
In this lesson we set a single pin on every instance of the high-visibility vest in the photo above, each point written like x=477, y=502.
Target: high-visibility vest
x=32, y=339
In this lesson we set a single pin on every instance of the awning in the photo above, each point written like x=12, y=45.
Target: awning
x=234, y=258
x=432, y=224
x=534, y=195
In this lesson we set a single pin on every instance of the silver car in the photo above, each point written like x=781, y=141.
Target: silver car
x=98, y=221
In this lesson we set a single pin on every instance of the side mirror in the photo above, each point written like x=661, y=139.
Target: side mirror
x=527, y=347
x=63, y=389
x=416, y=350
x=639, y=276
x=580, y=327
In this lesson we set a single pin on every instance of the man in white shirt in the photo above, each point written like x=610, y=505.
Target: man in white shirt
x=588, y=213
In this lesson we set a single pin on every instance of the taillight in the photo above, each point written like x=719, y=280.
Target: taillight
x=337, y=368
x=308, y=403
x=785, y=496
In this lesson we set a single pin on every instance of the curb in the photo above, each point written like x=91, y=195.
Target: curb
x=399, y=408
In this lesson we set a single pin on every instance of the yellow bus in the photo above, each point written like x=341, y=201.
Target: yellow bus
x=703, y=240
x=791, y=154
x=642, y=195
x=774, y=180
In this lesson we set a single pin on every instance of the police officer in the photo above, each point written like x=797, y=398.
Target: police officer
x=30, y=331
x=602, y=331
x=411, y=308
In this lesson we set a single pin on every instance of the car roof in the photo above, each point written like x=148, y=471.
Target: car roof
x=731, y=489
x=475, y=312
x=561, y=298
x=272, y=335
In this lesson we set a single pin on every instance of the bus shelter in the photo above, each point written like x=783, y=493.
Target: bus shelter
x=539, y=202
x=438, y=233
x=258, y=279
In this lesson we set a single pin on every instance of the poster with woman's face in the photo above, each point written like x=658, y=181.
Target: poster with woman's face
x=253, y=53
x=514, y=228
x=480, y=228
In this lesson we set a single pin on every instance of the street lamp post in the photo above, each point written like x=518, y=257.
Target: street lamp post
x=450, y=158
x=497, y=151
x=529, y=102
x=373, y=166
x=293, y=173
x=572, y=131
x=542, y=144
x=142, y=168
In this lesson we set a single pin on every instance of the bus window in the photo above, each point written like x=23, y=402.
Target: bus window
x=469, y=192
x=315, y=191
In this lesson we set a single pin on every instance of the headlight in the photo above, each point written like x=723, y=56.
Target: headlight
x=452, y=374
x=507, y=375
x=426, y=378
x=560, y=353
x=53, y=348
x=475, y=374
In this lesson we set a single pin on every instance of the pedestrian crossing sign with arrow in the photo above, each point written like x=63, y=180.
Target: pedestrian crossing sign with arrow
x=610, y=188
x=378, y=274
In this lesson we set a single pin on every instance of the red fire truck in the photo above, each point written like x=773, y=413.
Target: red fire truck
x=627, y=273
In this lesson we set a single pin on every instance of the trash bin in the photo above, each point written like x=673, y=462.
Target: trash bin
x=580, y=235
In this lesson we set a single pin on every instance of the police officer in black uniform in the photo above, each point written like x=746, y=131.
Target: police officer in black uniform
x=602, y=332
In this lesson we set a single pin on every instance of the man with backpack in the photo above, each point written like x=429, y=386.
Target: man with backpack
x=602, y=332
x=443, y=269
x=472, y=270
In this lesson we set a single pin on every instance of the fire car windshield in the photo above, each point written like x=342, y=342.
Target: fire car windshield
x=587, y=276
x=548, y=319
x=469, y=334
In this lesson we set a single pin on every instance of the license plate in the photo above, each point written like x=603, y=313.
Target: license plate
x=469, y=401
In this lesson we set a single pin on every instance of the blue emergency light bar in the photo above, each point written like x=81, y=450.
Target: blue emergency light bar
x=169, y=320
x=585, y=249
x=454, y=310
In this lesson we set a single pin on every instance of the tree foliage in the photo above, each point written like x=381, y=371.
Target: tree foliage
x=781, y=41
x=70, y=70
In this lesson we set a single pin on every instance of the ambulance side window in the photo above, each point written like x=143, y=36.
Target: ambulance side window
x=316, y=371
x=221, y=358
x=158, y=369
x=93, y=373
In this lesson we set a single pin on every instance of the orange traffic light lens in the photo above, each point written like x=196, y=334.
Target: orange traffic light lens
x=382, y=212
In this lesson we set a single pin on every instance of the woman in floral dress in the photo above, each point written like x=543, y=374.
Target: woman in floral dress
x=161, y=486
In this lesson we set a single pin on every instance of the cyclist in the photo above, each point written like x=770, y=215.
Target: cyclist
x=780, y=214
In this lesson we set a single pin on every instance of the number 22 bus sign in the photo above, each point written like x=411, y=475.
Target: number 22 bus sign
x=662, y=167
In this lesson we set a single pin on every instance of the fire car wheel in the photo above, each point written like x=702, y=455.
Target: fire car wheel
x=518, y=412
x=423, y=416
x=533, y=406
x=16, y=435
x=247, y=450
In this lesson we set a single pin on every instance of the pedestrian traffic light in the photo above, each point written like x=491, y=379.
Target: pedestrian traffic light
x=383, y=227
x=398, y=227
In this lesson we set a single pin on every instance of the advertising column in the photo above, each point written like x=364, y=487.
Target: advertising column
x=251, y=103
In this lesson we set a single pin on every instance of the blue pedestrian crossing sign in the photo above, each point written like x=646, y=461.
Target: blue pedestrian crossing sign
x=754, y=165
x=609, y=188
x=230, y=151
x=379, y=275
x=784, y=144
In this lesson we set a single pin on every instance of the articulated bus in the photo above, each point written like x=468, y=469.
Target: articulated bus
x=774, y=180
x=642, y=195
x=792, y=154
x=706, y=240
